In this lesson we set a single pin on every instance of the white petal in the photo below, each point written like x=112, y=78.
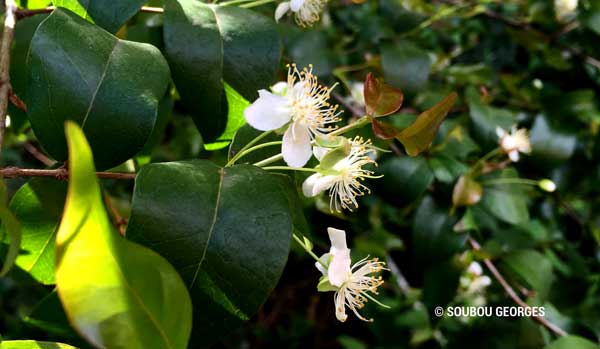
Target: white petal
x=339, y=268
x=514, y=155
x=324, y=258
x=337, y=238
x=280, y=88
x=281, y=10
x=296, y=148
x=309, y=184
x=268, y=112
x=500, y=132
x=296, y=4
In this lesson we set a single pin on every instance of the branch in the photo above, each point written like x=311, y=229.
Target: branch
x=7, y=39
x=59, y=173
x=24, y=13
x=512, y=294
x=358, y=112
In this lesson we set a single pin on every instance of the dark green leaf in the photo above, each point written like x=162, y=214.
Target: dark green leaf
x=506, y=202
x=207, y=45
x=445, y=168
x=226, y=230
x=49, y=316
x=108, y=14
x=533, y=268
x=550, y=147
x=486, y=119
x=404, y=179
x=418, y=136
x=116, y=293
x=247, y=133
x=405, y=66
x=111, y=87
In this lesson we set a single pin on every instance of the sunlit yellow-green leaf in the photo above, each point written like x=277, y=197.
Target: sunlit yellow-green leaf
x=116, y=293
x=418, y=136
x=28, y=344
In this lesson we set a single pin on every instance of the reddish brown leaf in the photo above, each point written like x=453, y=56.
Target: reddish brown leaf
x=384, y=130
x=381, y=99
x=418, y=136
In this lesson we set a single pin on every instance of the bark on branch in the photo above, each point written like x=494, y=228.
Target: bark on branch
x=59, y=173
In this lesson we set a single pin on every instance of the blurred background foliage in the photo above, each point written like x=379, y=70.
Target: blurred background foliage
x=528, y=62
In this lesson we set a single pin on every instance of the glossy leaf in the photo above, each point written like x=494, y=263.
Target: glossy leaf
x=486, y=118
x=49, y=316
x=39, y=206
x=32, y=4
x=550, y=146
x=572, y=342
x=111, y=87
x=108, y=14
x=207, y=45
x=506, y=202
x=404, y=178
x=418, y=136
x=207, y=222
x=116, y=293
x=405, y=66
x=235, y=118
x=533, y=268
x=10, y=228
x=247, y=133
x=381, y=99
x=29, y=344
x=467, y=191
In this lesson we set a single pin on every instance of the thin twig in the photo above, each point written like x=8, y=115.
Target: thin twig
x=41, y=157
x=355, y=110
x=59, y=173
x=118, y=221
x=511, y=292
x=24, y=13
x=5, y=48
x=400, y=279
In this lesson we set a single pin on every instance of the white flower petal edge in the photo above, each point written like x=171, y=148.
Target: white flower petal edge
x=268, y=112
x=281, y=10
x=296, y=148
x=351, y=284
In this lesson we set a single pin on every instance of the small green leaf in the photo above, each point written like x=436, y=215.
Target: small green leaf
x=111, y=87
x=38, y=205
x=116, y=293
x=235, y=118
x=466, y=191
x=207, y=45
x=381, y=99
x=404, y=179
x=418, y=136
x=506, y=202
x=108, y=14
x=29, y=344
x=572, y=342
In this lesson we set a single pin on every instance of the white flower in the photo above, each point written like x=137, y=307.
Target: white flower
x=357, y=93
x=350, y=284
x=565, y=9
x=301, y=104
x=515, y=142
x=475, y=269
x=343, y=180
x=306, y=12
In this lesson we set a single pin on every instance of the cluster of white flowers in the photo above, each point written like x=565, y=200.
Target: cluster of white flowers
x=300, y=109
x=513, y=143
x=306, y=12
x=473, y=284
x=351, y=283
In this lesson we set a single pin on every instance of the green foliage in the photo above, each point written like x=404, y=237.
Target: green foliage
x=113, y=97
x=114, y=291
x=106, y=14
x=207, y=45
x=229, y=254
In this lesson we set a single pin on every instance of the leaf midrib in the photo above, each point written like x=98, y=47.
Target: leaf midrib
x=212, y=226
